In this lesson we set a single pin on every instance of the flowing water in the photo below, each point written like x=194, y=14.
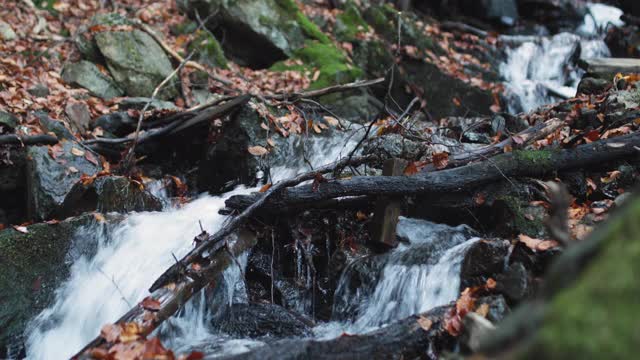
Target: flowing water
x=537, y=72
x=103, y=284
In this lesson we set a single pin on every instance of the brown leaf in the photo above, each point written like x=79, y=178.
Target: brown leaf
x=411, y=169
x=77, y=152
x=331, y=120
x=195, y=355
x=110, y=332
x=265, y=187
x=92, y=159
x=22, y=229
x=257, y=150
x=479, y=198
x=440, y=160
x=130, y=332
x=153, y=349
x=361, y=216
x=150, y=304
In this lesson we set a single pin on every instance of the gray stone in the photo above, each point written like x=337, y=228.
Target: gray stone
x=39, y=90
x=50, y=180
x=514, y=282
x=109, y=194
x=8, y=120
x=117, y=123
x=484, y=259
x=607, y=68
x=87, y=75
x=55, y=126
x=6, y=32
x=270, y=26
x=136, y=62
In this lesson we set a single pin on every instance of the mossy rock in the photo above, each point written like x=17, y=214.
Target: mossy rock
x=257, y=33
x=32, y=266
x=85, y=41
x=349, y=23
x=87, y=75
x=208, y=50
x=137, y=62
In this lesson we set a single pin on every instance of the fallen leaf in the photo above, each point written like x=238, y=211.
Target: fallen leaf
x=150, y=304
x=265, y=187
x=130, y=332
x=77, y=152
x=361, y=216
x=73, y=169
x=331, y=120
x=411, y=169
x=440, y=160
x=110, y=332
x=257, y=150
x=483, y=310
x=22, y=229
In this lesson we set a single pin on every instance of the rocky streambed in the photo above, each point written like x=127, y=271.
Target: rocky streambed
x=84, y=240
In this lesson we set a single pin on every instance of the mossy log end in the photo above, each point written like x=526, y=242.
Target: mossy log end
x=536, y=163
x=589, y=301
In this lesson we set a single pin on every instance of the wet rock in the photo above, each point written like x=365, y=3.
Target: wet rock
x=498, y=307
x=483, y=259
x=357, y=284
x=13, y=209
x=476, y=328
x=109, y=194
x=273, y=28
x=590, y=86
x=8, y=121
x=262, y=320
x=117, y=123
x=558, y=15
x=136, y=62
x=39, y=90
x=139, y=103
x=358, y=107
x=6, y=32
x=514, y=283
x=55, y=126
x=32, y=266
x=50, y=179
x=87, y=75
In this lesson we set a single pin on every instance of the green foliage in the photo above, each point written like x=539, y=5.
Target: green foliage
x=349, y=23
x=333, y=65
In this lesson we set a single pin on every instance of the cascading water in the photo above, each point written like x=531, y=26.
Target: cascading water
x=103, y=286
x=537, y=72
x=418, y=275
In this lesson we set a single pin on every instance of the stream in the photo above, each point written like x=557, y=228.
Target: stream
x=129, y=256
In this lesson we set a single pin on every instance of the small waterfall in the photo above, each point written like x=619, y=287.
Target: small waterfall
x=106, y=281
x=413, y=278
x=537, y=72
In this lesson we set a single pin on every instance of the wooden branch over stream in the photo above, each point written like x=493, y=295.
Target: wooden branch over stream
x=518, y=163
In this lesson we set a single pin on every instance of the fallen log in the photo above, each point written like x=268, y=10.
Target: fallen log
x=42, y=139
x=163, y=303
x=416, y=337
x=535, y=163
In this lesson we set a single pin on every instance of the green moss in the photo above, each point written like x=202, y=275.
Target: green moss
x=208, y=49
x=333, y=65
x=516, y=217
x=539, y=158
x=349, y=23
x=596, y=318
x=310, y=29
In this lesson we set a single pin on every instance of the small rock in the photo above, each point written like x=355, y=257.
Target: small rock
x=622, y=198
x=514, y=282
x=39, y=90
x=498, y=307
x=118, y=123
x=483, y=259
x=476, y=329
x=6, y=32
x=139, y=103
x=109, y=194
x=50, y=179
x=79, y=115
x=87, y=75
x=589, y=85
x=8, y=120
x=55, y=126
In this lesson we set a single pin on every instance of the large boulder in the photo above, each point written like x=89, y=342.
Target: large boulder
x=136, y=62
x=52, y=172
x=87, y=75
x=274, y=28
x=33, y=263
x=109, y=194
